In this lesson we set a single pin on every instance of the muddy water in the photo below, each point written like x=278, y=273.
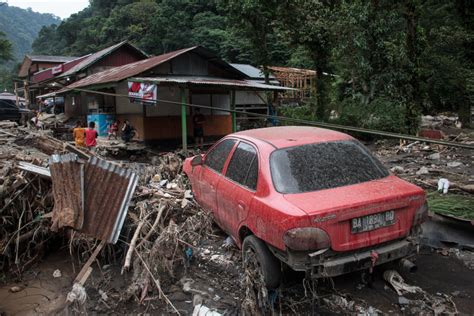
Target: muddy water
x=38, y=292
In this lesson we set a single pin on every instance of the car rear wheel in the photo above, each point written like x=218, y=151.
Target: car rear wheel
x=258, y=258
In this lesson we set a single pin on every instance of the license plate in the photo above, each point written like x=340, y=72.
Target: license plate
x=371, y=222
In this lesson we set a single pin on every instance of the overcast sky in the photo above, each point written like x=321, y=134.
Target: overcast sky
x=61, y=8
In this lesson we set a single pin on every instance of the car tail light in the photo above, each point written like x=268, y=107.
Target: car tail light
x=306, y=238
x=421, y=214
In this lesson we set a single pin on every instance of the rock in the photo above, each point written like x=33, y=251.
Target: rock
x=422, y=170
x=57, y=273
x=435, y=156
x=403, y=300
x=197, y=299
x=454, y=164
x=16, y=289
x=103, y=295
x=398, y=169
x=178, y=297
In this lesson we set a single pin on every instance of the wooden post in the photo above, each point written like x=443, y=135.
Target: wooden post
x=232, y=107
x=184, y=129
x=17, y=101
x=26, y=92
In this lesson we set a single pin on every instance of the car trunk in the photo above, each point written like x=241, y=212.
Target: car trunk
x=347, y=213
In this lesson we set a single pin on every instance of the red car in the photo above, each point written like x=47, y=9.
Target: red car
x=312, y=198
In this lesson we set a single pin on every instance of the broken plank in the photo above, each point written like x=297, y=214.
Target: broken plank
x=81, y=276
x=29, y=167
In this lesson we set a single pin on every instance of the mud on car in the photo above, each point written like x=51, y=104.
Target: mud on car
x=316, y=200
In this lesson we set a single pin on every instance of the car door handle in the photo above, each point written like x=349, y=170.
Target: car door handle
x=241, y=205
x=213, y=188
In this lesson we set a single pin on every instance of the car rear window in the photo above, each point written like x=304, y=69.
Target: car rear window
x=323, y=166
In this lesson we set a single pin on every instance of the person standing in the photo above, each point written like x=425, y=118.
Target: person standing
x=91, y=136
x=198, y=124
x=128, y=131
x=79, y=134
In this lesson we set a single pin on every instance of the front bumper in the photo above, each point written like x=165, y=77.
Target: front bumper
x=331, y=264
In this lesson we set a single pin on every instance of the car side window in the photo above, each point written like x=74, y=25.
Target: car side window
x=243, y=166
x=215, y=159
x=252, y=177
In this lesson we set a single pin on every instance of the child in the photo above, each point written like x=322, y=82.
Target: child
x=113, y=129
x=79, y=134
x=91, y=136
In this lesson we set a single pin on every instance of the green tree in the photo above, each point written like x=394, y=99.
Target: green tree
x=307, y=24
x=5, y=48
x=255, y=21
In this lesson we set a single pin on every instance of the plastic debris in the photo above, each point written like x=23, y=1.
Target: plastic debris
x=443, y=185
x=398, y=283
x=202, y=310
x=78, y=294
x=57, y=273
x=228, y=243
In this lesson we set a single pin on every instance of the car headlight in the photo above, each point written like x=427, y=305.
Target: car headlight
x=306, y=238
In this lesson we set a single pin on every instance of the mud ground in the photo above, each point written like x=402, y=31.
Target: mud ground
x=213, y=278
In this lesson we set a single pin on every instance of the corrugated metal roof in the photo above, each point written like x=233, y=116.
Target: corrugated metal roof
x=51, y=59
x=108, y=191
x=251, y=71
x=126, y=71
x=48, y=73
x=244, y=84
x=97, y=56
x=67, y=175
x=123, y=72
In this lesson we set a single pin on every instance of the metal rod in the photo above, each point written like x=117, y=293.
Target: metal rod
x=234, y=114
x=184, y=130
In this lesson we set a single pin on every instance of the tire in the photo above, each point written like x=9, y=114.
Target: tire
x=267, y=263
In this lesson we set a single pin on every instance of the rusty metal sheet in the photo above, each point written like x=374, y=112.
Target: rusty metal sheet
x=67, y=175
x=123, y=72
x=108, y=191
x=210, y=81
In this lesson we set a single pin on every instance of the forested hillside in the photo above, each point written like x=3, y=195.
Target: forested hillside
x=389, y=60
x=22, y=26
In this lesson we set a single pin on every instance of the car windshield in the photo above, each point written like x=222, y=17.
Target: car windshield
x=321, y=166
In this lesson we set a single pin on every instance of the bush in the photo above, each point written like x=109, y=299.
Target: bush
x=381, y=114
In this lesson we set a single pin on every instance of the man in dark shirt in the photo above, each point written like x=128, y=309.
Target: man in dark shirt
x=198, y=123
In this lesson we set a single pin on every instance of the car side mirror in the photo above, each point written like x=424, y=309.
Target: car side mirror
x=197, y=161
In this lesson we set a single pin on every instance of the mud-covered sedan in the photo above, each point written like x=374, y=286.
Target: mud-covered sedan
x=312, y=198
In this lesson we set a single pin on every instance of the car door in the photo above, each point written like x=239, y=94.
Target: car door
x=211, y=173
x=237, y=189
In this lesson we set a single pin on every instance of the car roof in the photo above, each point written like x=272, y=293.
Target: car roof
x=289, y=136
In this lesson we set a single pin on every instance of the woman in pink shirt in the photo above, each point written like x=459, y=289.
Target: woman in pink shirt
x=91, y=136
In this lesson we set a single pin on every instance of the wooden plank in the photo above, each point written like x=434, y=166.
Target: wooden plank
x=84, y=273
x=29, y=167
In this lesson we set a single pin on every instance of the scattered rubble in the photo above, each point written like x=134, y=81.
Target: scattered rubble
x=170, y=257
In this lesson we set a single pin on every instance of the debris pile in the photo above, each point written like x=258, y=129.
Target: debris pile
x=170, y=257
x=26, y=201
x=439, y=121
x=419, y=300
x=447, y=170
